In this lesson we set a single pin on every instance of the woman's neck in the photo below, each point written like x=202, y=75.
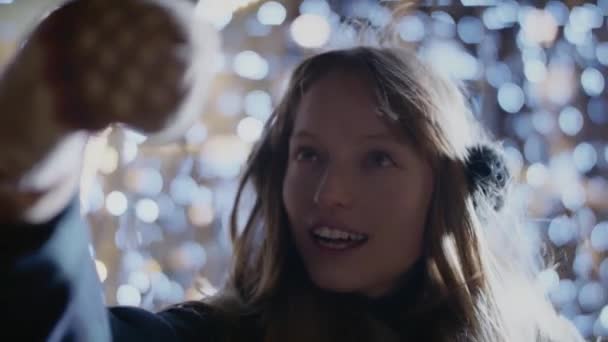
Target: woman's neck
x=391, y=307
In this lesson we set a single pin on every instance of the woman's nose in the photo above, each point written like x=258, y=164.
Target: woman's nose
x=333, y=189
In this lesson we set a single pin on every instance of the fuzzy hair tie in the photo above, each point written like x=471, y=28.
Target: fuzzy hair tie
x=487, y=173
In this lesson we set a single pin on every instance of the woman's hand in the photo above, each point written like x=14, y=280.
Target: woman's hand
x=86, y=65
x=117, y=61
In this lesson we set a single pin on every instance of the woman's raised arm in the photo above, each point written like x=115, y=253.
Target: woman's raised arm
x=86, y=65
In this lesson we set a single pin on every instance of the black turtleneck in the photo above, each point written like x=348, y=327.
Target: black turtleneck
x=390, y=308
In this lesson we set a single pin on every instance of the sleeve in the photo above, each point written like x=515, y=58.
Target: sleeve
x=50, y=291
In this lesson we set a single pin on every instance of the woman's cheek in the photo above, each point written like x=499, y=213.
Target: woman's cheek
x=298, y=188
x=385, y=193
x=304, y=177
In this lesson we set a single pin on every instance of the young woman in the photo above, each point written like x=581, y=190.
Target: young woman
x=381, y=214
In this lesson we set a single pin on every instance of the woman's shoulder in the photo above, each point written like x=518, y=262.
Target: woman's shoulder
x=188, y=321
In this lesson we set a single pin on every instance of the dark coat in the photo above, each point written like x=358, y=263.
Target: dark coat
x=50, y=291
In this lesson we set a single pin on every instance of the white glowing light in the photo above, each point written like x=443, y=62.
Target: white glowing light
x=161, y=284
x=591, y=296
x=604, y=317
x=128, y=295
x=470, y=29
x=558, y=10
x=93, y=201
x=176, y=294
x=203, y=195
x=411, y=28
x=584, y=324
x=196, y=135
x=206, y=287
x=561, y=231
x=462, y=66
x=498, y=74
x=109, y=160
x=592, y=81
x=272, y=13
x=116, y=203
x=601, y=53
x=236, y=5
x=250, y=129
x=183, y=189
x=511, y=97
x=575, y=36
x=229, y=103
x=599, y=237
x=140, y=280
x=443, y=24
x=223, y=155
x=146, y=210
x=310, y=30
x=319, y=7
x=539, y=26
x=573, y=196
x=585, y=157
x=258, y=104
x=571, y=121
x=583, y=264
x=565, y=293
x=145, y=181
x=129, y=151
x=535, y=70
x=514, y=159
x=544, y=122
x=201, y=214
x=102, y=270
x=537, y=174
x=251, y=65
x=558, y=85
x=216, y=12
x=585, y=18
x=549, y=279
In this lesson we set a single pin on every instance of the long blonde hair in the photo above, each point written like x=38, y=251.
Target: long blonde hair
x=478, y=280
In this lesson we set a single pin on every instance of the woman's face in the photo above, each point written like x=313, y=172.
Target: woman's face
x=356, y=193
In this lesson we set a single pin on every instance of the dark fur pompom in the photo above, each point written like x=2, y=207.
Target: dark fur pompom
x=487, y=173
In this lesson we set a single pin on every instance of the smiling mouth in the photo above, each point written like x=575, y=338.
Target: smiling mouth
x=336, y=239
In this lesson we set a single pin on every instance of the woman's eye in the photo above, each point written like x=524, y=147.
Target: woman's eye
x=306, y=154
x=381, y=159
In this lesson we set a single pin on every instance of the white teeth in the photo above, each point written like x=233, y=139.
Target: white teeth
x=329, y=233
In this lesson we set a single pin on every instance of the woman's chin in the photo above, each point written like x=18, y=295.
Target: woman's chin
x=337, y=284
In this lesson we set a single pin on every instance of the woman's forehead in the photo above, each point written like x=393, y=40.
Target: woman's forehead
x=343, y=102
x=338, y=96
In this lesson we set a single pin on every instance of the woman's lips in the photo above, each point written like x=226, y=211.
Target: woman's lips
x=336, y=239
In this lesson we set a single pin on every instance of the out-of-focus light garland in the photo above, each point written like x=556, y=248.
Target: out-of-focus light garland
x=159, y=215
x=220, y=12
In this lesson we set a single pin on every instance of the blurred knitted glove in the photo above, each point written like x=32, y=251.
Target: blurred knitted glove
x=145, y=64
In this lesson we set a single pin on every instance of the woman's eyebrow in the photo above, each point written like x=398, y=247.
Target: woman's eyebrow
x=379, y=135
x=384, y=136
x=303, y=134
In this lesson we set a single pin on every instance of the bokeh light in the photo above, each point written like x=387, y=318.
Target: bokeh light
x=310, y=30
x=536, y=75
x=116, y=203
x=272, y=13
x=147, y=210
x=250, y=129
x=128, y=295
x=102, y=270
